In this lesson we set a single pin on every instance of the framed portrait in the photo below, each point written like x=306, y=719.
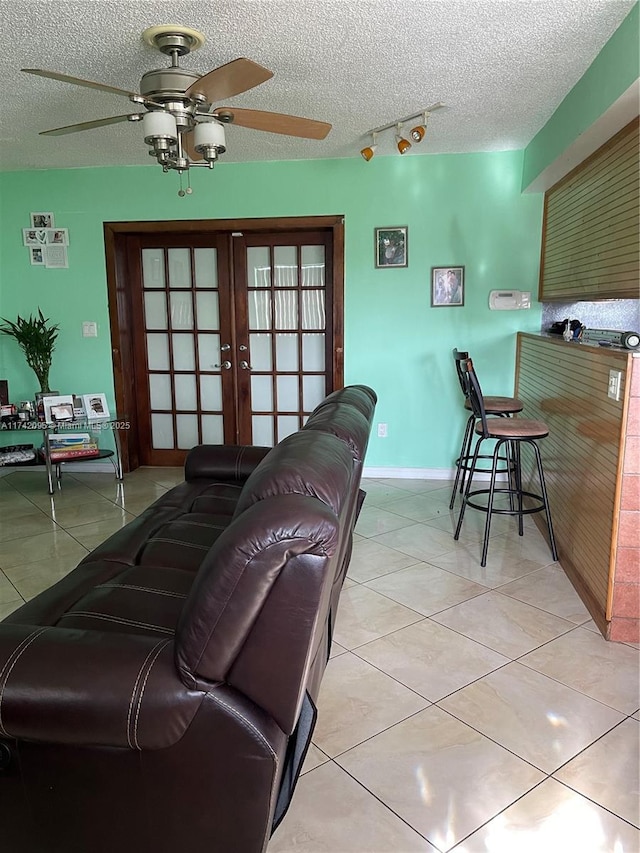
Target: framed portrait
x=58, y=408
x=447, y=287
x=42, y=220
x=34, y=236
x=58, y=236
x=391, y=247
x=95, y=406
x=36, y=254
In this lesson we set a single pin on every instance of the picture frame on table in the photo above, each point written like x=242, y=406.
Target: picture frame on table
x=391, y=247
x=58, y=408
x=95, y=406
x=447, y=287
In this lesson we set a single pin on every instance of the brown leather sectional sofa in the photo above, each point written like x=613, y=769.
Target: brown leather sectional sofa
x=160, y=698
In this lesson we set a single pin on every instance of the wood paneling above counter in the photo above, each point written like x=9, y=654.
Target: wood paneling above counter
x=590, y=246
x=592, y=469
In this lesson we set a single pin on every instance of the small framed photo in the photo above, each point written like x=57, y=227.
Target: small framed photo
x=36, y=254
x=447, y=287
x=55, y=257
x=78, y=407
x=59, y=408
x=42, y=220
x=391, y=247
x=34, y=236
x=95, y=406
x=57, y=236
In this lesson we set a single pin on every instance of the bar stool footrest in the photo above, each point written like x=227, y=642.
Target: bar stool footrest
x=514, y=492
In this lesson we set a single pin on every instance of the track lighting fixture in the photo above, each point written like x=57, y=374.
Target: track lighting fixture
x=417, y=133
x=403, y=145
x=370, y=150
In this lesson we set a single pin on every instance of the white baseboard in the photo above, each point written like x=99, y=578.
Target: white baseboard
x=419, y=474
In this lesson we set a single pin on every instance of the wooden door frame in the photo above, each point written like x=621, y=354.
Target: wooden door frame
x=120, y=309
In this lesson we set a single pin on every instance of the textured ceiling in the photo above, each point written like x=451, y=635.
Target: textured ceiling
x=501, y=67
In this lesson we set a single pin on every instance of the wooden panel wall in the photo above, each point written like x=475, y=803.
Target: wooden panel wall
x=565, y=385
x=590, y=231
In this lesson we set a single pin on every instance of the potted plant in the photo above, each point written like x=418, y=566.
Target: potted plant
x=37, y=339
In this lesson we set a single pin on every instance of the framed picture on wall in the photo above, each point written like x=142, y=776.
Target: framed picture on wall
x=447, y=287
x=391, y=247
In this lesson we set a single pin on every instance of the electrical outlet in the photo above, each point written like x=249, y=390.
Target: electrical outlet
x=615, y=381
x=382, y=430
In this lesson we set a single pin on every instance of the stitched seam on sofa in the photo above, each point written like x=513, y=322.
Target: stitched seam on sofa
x=238, y=460
x=140, y=589
x=202, y=524
x=179, y=542
x=135, y=687
x=248, y=725
x=144, y=684
x=119, y=619
x=16, y=654
x=233, y=589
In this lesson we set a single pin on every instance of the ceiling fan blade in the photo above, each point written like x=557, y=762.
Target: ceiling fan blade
x=77, y=81
x=229, y=80
x=274, y=122
x=84, y=125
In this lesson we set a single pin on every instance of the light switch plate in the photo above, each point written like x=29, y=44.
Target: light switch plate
x=89, y=330
x=615, y=381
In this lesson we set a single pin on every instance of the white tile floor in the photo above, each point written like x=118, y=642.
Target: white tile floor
x=463, y=709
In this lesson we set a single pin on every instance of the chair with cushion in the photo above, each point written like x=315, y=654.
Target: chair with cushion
x=502, y=407
x=509, y=434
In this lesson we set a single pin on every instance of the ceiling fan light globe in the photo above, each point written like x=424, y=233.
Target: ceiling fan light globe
x=418, y=133
x=369, y=152
x=159, y=125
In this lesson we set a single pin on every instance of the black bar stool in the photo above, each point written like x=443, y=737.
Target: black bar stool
x=502, y=407
x=511, y=433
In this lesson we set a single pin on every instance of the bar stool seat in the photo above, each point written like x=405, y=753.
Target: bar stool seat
x=509, y=434
x=503, y=407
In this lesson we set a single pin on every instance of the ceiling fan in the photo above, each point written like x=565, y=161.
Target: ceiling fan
x=181, y=123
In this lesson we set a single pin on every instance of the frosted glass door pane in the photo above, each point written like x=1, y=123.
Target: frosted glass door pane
x=155, y=310
x=313, y=392
x=206, y=267
x=183, y=354
x=181, y=310
x=262, y=430
x=185, y=391
x=260, y=347
x=313, y=352
x=211, y=393
x=259, y=309
x=212, y=429
x=287, y=389
x=187, y=426
x=209, y=352
x=207, y=307
x=261, y=394
x=313, y=309
x=312, y=262
x=179, y=268
x=286, y=309
x=258, y=266
x=285, y=266
x=286, y=425
x=158, y=352
x=160, y=390
x=152, y=268
x=286, y=353
x=162, y=432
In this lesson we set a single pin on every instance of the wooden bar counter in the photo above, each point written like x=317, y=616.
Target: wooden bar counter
x=592, y=465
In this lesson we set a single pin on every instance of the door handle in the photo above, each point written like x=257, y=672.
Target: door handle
x=226, y=365
x=244, y=365
x=225, y=347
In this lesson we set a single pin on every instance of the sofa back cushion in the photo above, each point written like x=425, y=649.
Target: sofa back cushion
x=251, y=615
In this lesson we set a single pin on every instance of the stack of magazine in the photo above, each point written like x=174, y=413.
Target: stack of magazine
x=71, y=445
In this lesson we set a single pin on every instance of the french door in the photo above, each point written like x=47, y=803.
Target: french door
x=234, y=335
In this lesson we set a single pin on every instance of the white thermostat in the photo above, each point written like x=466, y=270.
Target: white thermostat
x=509, y=300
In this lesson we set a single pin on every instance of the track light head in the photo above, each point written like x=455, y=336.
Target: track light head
x=402, y=144
x=370, y=150
x=419, y=131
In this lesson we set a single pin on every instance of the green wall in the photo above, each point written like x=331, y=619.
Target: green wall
x=611, y=73
x=460, y=210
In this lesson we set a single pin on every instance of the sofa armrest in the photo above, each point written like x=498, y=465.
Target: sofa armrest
x=223, y=461
x=68, y=686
